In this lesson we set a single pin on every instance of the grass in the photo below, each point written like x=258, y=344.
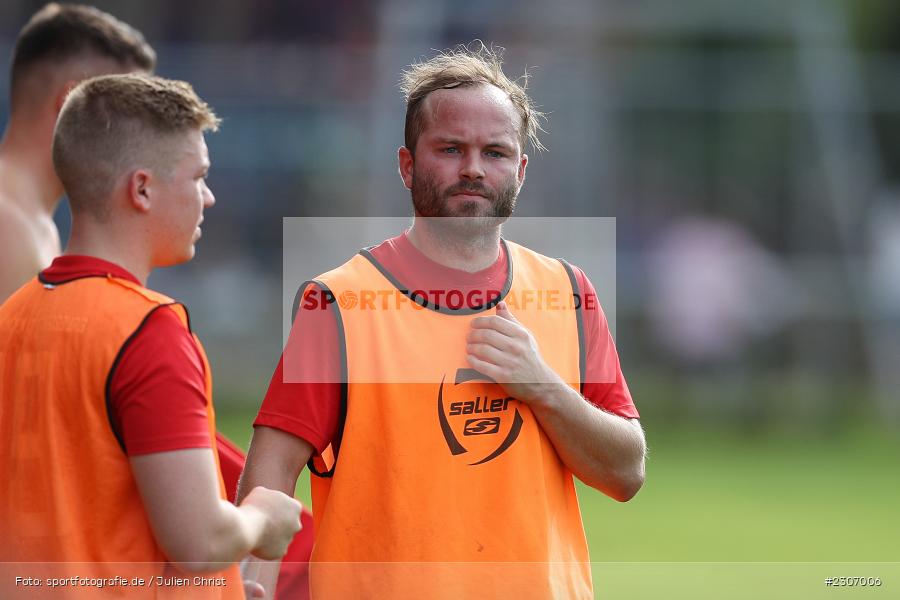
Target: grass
x=722, y=497
x=724, y=514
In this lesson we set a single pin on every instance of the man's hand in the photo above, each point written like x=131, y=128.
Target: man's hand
x=502, y=348
x=603, y=450
x=281, y=520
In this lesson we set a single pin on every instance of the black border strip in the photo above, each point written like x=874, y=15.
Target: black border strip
x=421, y=301
x=342, y=342
x=455, y=447
x=579, y=320
x=113, y=424
x=46, y=281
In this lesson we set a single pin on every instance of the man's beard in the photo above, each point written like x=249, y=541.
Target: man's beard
x=472, y=216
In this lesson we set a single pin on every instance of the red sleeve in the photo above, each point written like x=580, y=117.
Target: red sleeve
x=304, y=395
x=158, y=389
x=604, y=384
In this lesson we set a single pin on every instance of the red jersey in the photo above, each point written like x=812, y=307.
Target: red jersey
x=304, y=395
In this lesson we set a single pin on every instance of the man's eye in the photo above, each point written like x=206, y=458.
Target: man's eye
x=451, y=150
x=494, y=154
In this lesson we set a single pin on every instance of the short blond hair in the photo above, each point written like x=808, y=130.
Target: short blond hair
x=113, y=123
x=463, y=66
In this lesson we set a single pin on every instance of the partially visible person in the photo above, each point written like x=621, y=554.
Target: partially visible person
x=61, y=45
x=106, y=417
x=58, y=47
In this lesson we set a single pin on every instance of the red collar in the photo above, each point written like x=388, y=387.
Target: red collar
x=68, y=267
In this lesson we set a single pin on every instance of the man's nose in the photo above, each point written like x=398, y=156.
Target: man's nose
x=471, y=167
x=208, y=198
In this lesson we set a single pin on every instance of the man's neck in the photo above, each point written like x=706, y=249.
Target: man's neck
x=90, y=240
x=27, y=177
x=448, y=243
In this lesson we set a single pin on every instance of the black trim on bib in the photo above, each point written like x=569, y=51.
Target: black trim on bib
x=579, y=320
x=342, y=343
x=47, y=282
x=423, y=302
x=113, y=424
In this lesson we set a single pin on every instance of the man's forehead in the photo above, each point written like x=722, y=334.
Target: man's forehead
x=202, y=150
x=461, y=106
x=184, y=144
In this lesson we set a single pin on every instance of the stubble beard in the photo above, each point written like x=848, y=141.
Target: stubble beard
x=469, y=218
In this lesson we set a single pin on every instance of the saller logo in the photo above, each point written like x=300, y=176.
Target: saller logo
x=477, y=426
x=482, y=426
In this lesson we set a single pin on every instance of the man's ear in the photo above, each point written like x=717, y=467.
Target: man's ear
x=521, y=174
x=405, y=160
x=139, y=188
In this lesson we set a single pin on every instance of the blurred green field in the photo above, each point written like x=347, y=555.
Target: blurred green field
x=727, y=515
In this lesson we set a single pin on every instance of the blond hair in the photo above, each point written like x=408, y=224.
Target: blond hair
x=113, y=123
x=463, y=66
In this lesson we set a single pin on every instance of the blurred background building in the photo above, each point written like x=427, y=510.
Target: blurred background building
x=749, y=151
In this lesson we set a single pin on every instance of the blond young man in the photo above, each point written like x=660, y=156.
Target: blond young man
x=58, y=47
x=445, y=425
x=106, y=415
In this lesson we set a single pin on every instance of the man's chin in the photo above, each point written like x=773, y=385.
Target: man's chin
x=176, y=259
x=466, y=205
x=471, y=207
